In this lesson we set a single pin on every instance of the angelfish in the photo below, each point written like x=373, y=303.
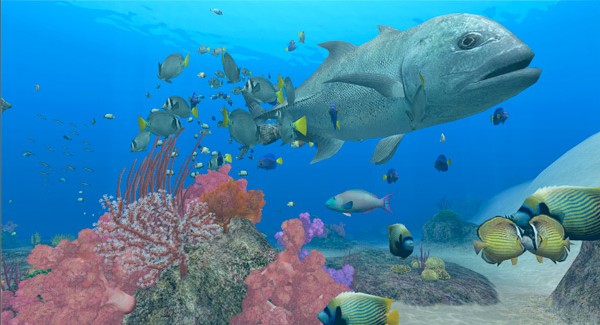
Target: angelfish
x=401, y=240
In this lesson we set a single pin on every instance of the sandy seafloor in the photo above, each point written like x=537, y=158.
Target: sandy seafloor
x=522, y=289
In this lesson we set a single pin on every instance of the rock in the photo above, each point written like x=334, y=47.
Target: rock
x=447, y=227
x=576, y=299
x=373, y=275
x=214, y=289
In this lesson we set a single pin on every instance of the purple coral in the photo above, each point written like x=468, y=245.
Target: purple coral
x=343, y=275
x=312, y=228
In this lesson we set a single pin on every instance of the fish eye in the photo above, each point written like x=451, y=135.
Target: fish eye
x=469, y=41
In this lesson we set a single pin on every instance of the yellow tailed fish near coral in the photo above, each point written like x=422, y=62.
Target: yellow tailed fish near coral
x=350, y=308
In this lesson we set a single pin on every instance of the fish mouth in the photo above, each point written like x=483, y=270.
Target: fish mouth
x=509, y=68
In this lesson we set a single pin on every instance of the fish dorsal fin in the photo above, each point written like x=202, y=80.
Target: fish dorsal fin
x=326, y=147
x=387, y=29
x=386, y=148
x=337, y=49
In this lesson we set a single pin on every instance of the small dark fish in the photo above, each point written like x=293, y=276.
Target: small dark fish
x=333, y=113
x=269, y=75
x=216, y=11
x=500, y=116
x=66, y=137
x=291, y=46
x=391, y=176
x=93, y=121
x=269, y=161
x=195, y=99
x=213, y=118
x=230, y=102
x=301, y=37
x=442, y=163
x=215, y=83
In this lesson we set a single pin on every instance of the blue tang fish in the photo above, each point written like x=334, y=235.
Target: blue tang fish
x=269, y=161
x=442, y=163
x=391, y=176
x=500, y=116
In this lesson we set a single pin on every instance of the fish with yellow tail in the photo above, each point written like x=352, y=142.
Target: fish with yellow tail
x=401, y=240
x=349, y=308
x=225, y=122
x=279, y=92
x=550, y=239
x=501, y=241
x=172, y=66
x=576, y=208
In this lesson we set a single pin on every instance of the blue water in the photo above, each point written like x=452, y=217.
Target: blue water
x=93, y=58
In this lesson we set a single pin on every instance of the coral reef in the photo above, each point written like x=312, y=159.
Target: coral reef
x=576, y=299
x=401, y=269
x=80, y=289
x=333, y=237
x=56, y=239
x=448, y=227
x=429, y=275
x=374, y=266
x=289, y=291
x=213, y=290
x=438, y=266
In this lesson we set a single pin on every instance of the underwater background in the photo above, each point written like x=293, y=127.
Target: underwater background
x=91, y=58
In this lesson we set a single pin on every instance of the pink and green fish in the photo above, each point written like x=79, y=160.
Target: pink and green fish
x=358, y=201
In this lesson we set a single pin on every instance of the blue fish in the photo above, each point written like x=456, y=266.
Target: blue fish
x=195, y=99
x=442, y=163
x=269, y=161
x=500, y=116
x=291, y=46
x=391, y=176
x=333, y=113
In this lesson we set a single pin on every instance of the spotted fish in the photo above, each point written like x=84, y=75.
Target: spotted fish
x=501, y=241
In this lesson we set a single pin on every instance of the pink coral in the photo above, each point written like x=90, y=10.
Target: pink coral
x=293, y=290
x=80, y=289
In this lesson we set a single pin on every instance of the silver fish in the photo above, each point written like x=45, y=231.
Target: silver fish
x=172, y=66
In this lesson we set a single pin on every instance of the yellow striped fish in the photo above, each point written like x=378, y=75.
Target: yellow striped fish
x=550, y=241
x=501, y=241
x=353, y=308
x=576, y=208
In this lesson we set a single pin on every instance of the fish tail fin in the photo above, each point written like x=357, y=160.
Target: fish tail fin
x=337, y=125
x=208, y=48
x=142, y=124
x=449, y=162
x=300, y=125
x=225, y=114
x=286, y=49
x=279, y=161
x=195, y=111
x=228, y=158
x=386, y=203
x=384, y=177
x=310, y=143
x=280, y=82
x=478, y=245
x=567, y=243
x=186, y=62
x=279, y=94
x=393, y=318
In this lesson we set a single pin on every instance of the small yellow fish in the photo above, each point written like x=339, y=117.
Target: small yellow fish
x=227, y=158
x=501, y=241
x=550, y=242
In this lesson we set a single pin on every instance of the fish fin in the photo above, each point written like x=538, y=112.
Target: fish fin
x=348, y=205
x=225, y=114
x=279, y=161
x=337, y=49
x=168, y=81
x=310, y=143
x=386, y=148
x=383, y=84
x=290, y=93
x=228, y=158
x=514, y=260
x=337, y=125
x=280, y=82
x=195, y=111
x=478, y=245
x=186, y=62
x=386, y=203
x=142, y=124
x=387, y=29
x=279, y=94
x=540, y=259
x=159, y=68
x=567, y=243
x=254, y=107
x=347, y=214
x=449, y=162
x=384, y=177
x=300, y=125
x=393, y=318
x=326, y=147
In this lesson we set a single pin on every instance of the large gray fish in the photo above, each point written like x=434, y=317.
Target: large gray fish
x=232, y=72
x=180, y=107
x=172, y=66
x=442, y=70
x=260, y=89
x=160, y=123
x=5, y=105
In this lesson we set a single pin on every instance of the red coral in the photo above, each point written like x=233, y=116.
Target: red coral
x=293, y=290
x=80, y=289
x=230, y=201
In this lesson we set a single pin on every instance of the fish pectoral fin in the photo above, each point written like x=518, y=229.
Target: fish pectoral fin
x=478, y=245
x=514, y=260
x=347, y=214
x=540, y=259
x=386, y=148
x=326, y=147
x=348, y=205
x=383, y=84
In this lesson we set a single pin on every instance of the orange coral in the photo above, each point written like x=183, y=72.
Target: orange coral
x=229, y=200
